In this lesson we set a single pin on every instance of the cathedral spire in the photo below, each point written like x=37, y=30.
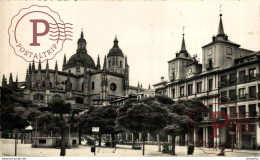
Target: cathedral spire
x=98, y=63
x=4, y=82
x=64, y=60
x=11, y=78
x=220, y=27
x=56, y=66
x=82, y=34
x=33, y=66
x=105, y=63
x=115, y=42
x=16, y=80
x=47, y=65
x=149, y=87
x=39, y=65
x=30, y=68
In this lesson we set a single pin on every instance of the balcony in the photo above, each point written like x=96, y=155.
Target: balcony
x=232, y=80
x=248, y=97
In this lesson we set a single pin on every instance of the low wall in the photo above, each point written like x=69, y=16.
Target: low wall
x=52, y=142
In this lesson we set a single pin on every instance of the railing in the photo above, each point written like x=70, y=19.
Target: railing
x=235, y=80
x=245, y=97
x=240, y=115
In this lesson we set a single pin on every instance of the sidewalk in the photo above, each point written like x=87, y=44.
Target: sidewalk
x=25, y=150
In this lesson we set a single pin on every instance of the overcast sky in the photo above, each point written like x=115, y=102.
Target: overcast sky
x=149, y=32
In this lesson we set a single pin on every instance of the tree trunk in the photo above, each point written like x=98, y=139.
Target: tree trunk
x=143, y=145
x=113, y=140
x=159, y=142
x=62, y=143
x=99, y=139
x=133, y=144
x=173, y=144
x=79, y=136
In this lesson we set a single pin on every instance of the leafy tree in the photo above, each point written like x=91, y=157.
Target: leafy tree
x=184, y=114
x=146, y=116
x=62, y=109
x=102, y=117
x=15, y=111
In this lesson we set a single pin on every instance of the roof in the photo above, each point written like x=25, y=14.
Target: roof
x=115, y=50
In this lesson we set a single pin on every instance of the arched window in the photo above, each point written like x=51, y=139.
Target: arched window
x=120, y=63
x=109, y=63
x=93, y=85
x=38, y=96
x=56, y=96
x=50, y=84
x=82, y=87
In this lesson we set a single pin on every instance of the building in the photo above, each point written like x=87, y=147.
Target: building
x=81, y=81
x=228, y=80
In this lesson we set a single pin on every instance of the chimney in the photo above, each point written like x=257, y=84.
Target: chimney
x=213, y=38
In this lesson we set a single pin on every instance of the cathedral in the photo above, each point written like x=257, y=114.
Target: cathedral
x=81, y=81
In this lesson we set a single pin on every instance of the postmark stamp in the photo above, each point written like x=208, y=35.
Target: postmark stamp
x=38, y=33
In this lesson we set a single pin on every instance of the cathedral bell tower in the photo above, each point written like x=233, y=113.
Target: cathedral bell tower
x=115, y=59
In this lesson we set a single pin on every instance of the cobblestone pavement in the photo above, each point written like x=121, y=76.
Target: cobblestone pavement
x=25, y=150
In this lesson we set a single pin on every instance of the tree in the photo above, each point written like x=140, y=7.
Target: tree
x=60, y=107
x=146, y=116
x=184, y=114
x=102, y=117
x=15, y=111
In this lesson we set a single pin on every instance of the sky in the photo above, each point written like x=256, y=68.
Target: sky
x=149, y=32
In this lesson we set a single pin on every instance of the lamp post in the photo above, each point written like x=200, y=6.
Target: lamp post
x=15, y=141
x=35, y=134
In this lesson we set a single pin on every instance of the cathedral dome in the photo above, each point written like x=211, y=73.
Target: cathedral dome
x=83, y=58
x=115, y=50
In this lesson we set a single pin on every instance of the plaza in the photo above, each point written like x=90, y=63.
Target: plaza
x=25, y=150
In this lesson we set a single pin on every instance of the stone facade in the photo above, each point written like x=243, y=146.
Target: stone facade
x=227, y=81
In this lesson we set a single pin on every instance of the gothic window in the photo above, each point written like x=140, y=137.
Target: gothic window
x=50, y=84
x=120, y=63
x=109, y=63
x=38, y=96
x=93, y=85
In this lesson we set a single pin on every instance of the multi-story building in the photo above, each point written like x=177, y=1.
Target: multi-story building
x=227, y=81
